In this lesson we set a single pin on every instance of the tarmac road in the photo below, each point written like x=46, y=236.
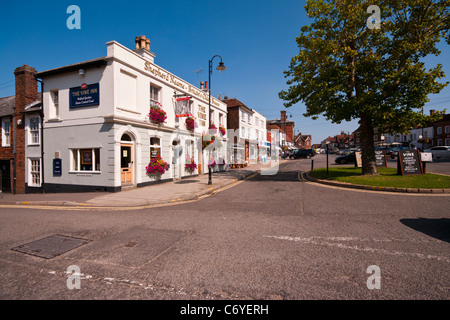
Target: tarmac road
x=268, y=238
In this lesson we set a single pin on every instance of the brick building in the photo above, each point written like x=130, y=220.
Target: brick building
x=303, y=141
x=287, y=126
x=13, y=109
x=442, y=131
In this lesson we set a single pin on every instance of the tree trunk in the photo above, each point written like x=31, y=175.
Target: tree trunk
x=367, y=145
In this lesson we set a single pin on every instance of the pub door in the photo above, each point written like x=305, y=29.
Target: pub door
x=126, y=164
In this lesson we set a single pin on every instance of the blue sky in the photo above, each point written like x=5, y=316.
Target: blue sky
x=256, y=40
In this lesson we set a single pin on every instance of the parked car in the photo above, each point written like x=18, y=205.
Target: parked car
x=302, y=154
x=439, y=152
x=348, y=158
x=394, y=151
x=344, y=152
x=387, y=149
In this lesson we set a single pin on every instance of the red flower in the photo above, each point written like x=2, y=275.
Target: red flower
x=157, y=115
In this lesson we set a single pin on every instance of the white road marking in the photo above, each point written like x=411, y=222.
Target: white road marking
x=325, y=241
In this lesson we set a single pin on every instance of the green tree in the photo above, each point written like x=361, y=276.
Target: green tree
x=346, y=69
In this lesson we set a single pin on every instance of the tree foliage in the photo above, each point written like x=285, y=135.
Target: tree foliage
x=345, y=70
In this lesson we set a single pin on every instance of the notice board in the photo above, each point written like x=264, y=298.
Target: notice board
x=358, y=162
x=409, y=162
x=380, y=158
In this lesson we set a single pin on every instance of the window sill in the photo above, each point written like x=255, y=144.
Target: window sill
x=85, y=173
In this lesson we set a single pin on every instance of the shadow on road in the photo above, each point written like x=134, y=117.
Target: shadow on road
x=436, y=228
x=285, y=176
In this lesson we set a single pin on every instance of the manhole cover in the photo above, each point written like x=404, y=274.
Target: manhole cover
x=51, y=247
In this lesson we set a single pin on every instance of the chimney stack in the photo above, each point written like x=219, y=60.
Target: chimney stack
x=283, y=115
x=142, y=42
x=143, y=47
x=26, y=87
x=26, y=93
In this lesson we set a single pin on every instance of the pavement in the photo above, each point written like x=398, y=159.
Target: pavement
x=186, y=189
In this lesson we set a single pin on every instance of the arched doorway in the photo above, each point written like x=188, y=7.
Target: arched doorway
x=126, y=160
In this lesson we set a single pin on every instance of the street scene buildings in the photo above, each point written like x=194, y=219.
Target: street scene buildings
x=101, y=123
x=316, y=167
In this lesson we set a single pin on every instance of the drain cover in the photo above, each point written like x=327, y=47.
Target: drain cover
x=51, y=247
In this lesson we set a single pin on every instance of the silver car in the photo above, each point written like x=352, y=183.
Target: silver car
x=439, y=152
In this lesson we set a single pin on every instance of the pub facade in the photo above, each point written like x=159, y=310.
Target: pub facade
x=122, y=121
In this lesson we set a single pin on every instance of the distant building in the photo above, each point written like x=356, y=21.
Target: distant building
x=303, y=141
x=378, y=138
x=287, y=126
x=248, y=141
x=442, y=131
x=432, y=134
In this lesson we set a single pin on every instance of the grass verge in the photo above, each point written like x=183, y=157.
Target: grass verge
x=387, y=177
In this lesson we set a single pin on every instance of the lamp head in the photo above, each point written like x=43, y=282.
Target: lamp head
x=221, y=66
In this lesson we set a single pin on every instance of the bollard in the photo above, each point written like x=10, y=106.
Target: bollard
x=312, y=164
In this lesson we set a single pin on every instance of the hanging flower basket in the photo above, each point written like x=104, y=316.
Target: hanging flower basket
x=207, y=140
x=191, y=124
x=157, y=166
x=222, y=130
x=157, y=115
x=190, y=166
x=212, y=163
x=212, y=127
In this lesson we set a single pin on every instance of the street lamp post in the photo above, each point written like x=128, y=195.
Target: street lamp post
x=221, y=67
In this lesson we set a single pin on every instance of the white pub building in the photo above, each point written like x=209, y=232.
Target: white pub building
x=98, y=131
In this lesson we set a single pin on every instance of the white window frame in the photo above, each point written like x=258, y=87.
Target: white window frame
x=6, y=135
x=54, y=104
x=154, y=101
x=77, y=167
x=447, y=129
x=155, y=146
x=439, y=130
x=36, y=130
x=189, y=149
x=32, y=172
